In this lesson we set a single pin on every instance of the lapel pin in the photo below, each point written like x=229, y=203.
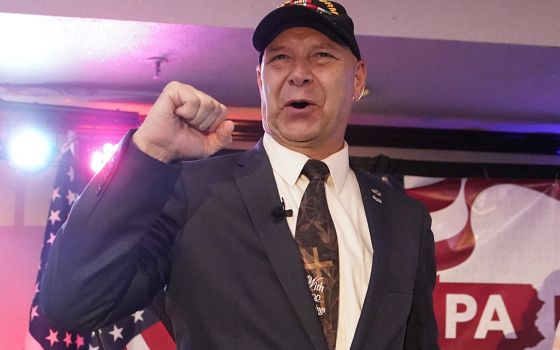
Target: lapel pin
x=376, y=195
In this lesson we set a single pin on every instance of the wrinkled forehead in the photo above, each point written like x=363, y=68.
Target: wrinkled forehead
x=304, y=38
x=303, y=35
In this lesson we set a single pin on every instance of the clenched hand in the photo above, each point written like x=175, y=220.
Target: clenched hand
x=184, y=123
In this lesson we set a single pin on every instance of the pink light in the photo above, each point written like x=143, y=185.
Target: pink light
x=100, y=157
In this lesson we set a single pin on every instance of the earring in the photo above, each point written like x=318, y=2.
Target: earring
x=359, y=97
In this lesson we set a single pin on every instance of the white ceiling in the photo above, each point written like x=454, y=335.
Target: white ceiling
x=490, y=65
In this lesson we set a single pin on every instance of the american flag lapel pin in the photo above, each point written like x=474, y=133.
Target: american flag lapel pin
x=376, y=195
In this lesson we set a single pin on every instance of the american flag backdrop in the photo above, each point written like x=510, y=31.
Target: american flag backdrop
x=140, y=331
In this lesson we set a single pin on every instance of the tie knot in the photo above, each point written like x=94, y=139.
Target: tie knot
x=315, y=170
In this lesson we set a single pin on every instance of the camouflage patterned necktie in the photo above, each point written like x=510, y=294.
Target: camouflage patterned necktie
x=316, y=239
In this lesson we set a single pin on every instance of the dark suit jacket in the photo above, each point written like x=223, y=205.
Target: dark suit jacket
x=233, y=272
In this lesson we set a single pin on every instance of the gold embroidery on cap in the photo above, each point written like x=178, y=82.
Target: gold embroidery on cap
x=330, y=6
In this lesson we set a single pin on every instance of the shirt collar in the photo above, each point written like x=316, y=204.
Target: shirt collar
x=288, y=164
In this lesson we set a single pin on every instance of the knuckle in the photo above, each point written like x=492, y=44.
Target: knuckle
x=207, y=105
x=212, y=106
x=173, y=85
x=195, y=101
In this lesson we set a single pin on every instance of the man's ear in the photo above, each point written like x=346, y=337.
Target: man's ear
x=259, y=77
x=261, y=91
x=360, y=80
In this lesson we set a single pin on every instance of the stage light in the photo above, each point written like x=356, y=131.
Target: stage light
x=102, y=156
x=29, y=150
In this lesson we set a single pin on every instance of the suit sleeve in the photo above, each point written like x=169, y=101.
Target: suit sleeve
x=421, y=331
x=111, y=257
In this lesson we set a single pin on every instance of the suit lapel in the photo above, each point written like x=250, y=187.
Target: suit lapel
x=372, y=197
x=258, y=189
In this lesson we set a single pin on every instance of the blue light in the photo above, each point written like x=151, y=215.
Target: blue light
x=29, y=150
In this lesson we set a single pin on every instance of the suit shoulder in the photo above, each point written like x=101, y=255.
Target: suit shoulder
x=220, y=160
x=221, y=167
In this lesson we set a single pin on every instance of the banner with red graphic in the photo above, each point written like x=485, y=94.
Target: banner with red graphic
x=498, y=259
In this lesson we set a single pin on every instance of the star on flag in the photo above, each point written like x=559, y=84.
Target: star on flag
x=138, y=316
x=68, y=339
x=79, y=341
x=70, y=173
x=71, y=197
x=55, y=194
x=116, y=332
x=53, y=337
x=55, y=216
x=34, y=312
x=51, y=238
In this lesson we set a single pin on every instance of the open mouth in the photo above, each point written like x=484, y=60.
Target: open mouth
x=299, y=104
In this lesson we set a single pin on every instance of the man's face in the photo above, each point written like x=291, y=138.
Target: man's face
x=307, y=83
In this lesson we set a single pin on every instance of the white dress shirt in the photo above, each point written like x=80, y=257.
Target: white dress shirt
x=347, y=210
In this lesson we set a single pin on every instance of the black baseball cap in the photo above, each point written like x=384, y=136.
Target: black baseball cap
x=328, y=17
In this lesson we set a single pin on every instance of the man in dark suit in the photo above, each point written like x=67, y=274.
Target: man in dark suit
x=226, y=235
